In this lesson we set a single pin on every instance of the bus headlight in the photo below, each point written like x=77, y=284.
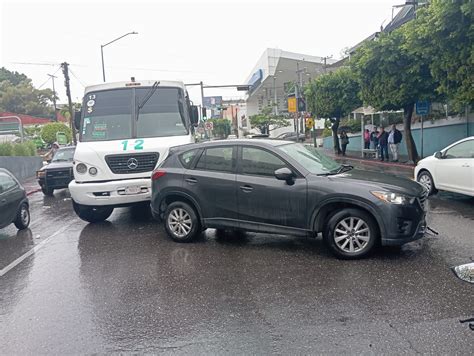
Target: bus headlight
x=92, y=171
x=81, y=168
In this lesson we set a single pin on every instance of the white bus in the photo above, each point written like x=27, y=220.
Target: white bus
x=125, y=131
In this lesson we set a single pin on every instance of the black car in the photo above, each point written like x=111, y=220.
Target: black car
x=285, y=188
x=291, y=136
x=58, y=173
x=14, y=206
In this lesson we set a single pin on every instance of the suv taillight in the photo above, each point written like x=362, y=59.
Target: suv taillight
x=157, y=174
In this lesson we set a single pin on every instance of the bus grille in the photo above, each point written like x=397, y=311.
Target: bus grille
x=132, y=163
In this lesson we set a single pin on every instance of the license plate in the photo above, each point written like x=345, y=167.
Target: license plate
x=132, y=190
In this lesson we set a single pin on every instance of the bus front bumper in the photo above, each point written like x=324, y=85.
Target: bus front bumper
x=113, y=193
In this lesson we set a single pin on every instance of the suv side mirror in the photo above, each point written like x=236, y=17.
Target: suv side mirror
x=285, y=174
x=438, y=155
x=194, y=115
x=77, y=120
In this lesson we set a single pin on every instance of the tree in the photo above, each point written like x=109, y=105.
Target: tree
x=443, y=36
x=266, y=118
x=48, y=132
x=333, y=96
x=18, y=95
x=221, y=127
x=392, y=77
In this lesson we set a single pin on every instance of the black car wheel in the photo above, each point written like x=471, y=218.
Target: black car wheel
x=92, y=214
x=47, y=191
x=181, y=222
x=351, y=234
x=22, y=220
x=425, y=178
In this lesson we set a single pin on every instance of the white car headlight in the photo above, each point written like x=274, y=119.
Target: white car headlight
x=393, y=198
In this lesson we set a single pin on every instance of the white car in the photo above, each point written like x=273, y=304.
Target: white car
x=451, y=169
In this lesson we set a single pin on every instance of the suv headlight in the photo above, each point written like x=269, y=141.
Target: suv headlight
x=393, y=198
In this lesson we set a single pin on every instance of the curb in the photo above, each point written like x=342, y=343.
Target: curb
x=33, y=191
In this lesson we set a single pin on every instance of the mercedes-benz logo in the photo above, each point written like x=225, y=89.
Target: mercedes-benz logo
x=132, y=163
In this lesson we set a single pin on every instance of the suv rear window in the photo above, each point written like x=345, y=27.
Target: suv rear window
x=186, y=158
x=217, y=159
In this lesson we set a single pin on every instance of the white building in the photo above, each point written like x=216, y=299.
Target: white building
x=273, y=77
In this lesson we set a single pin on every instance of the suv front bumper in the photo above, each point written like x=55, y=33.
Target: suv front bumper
x=403, y=224
x=113, y=193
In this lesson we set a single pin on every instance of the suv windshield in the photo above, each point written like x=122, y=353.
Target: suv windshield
x=310, y=158
x=66, y=154
x=108, y=114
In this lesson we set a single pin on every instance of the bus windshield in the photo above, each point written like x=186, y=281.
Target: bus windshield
x=108, y=114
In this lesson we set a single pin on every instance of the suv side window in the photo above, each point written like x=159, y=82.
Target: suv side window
x=6, y=181
x=462, y=150
x=186, y=158
x=217, y=159
x=256, y=161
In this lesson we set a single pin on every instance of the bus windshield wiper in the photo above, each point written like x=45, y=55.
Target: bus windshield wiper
x=147, y=97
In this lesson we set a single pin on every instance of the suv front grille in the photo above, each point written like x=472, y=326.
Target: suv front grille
x=132, y=163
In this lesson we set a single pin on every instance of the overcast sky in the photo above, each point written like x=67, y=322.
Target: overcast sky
x=218, y=42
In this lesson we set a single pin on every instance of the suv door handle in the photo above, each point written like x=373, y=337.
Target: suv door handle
x=3, y=201
x=246, y=188
x=191, y=180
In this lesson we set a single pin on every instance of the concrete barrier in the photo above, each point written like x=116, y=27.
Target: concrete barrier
x=21, y=167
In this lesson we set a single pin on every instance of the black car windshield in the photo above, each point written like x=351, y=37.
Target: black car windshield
x=108, y=114
x=63, y=155
x=310, y=158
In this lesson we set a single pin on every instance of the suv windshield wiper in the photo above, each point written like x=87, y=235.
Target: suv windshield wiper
x=342, y=168
x=147, y=97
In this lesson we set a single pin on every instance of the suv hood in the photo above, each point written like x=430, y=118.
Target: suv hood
x=57, y=165
x=376, y=180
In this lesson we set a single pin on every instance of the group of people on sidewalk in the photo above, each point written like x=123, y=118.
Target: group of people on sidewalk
x=382, y=140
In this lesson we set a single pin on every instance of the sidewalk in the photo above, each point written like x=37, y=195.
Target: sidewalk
x=31, y=185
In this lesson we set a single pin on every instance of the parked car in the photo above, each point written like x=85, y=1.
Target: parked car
x=451, y=169
x=58, y=173
x=14, y=206
x=291, y=136
x=283, y=187
x=231, y=137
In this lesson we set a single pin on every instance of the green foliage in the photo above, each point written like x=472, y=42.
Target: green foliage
x=27, y=148
x=351, y=125
x=48, y=133
x=327, y=132
x=333, y=95
x=18, y=95
x=443, y=37
x=221, y=127
x=266, y=118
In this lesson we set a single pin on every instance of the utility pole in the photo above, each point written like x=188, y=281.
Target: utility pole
x=65, y=67
x=325, y=62
x=54, y=97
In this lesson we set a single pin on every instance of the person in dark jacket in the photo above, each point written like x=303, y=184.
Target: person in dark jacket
x=344, y=142
x=373, y=139
x=383, y=144
x=394, y=139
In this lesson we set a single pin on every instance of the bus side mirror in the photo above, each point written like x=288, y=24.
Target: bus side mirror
x=194, y=115
x=77, y=119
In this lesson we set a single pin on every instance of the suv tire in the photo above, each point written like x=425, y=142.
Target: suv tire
x=22, y=220
x=351, y=233
x=92, y=214
x=181, y=222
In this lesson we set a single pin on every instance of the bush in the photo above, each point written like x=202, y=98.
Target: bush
x=6, y=149
x=48, y=133
x=327, y=132
x=18, y=149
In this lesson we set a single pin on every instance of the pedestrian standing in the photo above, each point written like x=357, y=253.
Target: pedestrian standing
x=383, y=144
x=394, y=139
x=374, y=139
x=366, y=139
x=344, y=142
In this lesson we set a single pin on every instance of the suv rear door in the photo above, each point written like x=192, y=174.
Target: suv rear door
x=212, y=184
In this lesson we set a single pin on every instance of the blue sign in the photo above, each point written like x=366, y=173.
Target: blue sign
x=255, y=80
x=212, y=102
x=422, y=107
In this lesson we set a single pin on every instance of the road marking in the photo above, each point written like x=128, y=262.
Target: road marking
x=30, y=252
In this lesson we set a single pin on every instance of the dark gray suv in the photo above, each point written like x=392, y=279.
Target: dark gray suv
x=285, y=188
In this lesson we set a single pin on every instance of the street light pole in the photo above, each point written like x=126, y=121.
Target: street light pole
x=102, y=49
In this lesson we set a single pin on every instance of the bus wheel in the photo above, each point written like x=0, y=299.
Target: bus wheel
x=92, y=214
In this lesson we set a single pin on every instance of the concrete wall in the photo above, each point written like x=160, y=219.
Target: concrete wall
x=22, y=167
x=436, y=136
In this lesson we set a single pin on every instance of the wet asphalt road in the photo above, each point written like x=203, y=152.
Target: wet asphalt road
x=123, y=286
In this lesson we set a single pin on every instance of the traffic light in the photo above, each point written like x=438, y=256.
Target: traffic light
x=204, y=114
x=301, y=105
